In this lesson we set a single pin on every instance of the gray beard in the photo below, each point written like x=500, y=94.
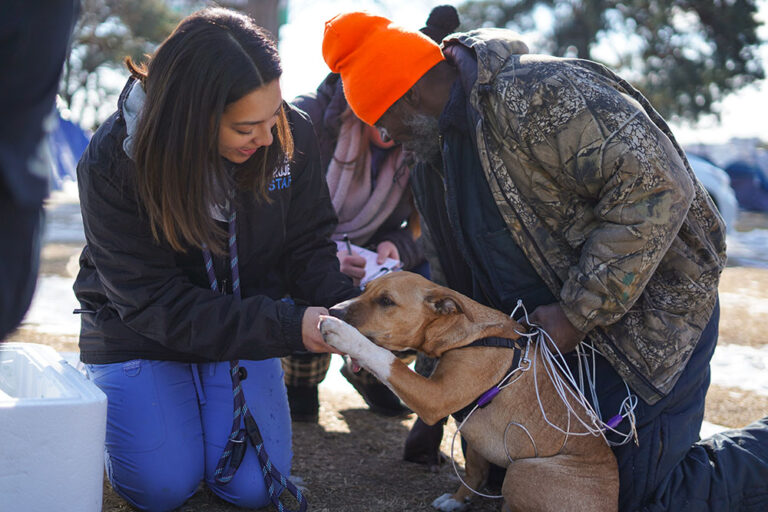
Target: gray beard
x=424, y=147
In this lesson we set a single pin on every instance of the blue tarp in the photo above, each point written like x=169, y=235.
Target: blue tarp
x=750, y=185
x=66, y=144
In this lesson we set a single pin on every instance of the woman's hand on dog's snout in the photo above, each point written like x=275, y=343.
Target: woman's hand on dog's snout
x=552, y=319
x=310, y=331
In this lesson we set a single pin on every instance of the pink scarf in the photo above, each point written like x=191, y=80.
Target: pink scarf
x=361, y=210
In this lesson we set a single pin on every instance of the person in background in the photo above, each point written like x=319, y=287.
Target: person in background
x=554, y=181
x=27, y=95
x=368, y=182
x=204, y=206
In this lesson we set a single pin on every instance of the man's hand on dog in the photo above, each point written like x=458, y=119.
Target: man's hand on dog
x=552, y=319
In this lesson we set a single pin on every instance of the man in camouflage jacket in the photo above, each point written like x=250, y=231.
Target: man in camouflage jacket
x=554, y=180
x=596, y=192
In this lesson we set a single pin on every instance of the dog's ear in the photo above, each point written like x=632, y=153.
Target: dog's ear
x=443, y=305
x=446, y=304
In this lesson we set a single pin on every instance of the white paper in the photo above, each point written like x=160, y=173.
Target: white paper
x=372, y=269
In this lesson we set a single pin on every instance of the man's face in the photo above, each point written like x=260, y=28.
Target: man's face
x=418, y=133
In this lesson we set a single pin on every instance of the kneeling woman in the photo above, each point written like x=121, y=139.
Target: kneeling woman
x=204, y=206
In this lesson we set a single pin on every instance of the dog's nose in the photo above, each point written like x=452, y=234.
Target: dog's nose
x=340, y=310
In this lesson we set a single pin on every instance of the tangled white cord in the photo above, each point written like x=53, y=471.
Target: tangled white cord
x=566, y=387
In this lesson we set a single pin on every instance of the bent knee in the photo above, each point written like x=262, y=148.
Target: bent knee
x=244, y=493
x=157, y=496
x=153, y=491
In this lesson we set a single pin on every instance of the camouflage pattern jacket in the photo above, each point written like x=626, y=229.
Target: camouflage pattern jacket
x=596, y=191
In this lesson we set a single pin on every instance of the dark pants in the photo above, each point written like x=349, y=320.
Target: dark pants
x=34, y=41
x=670, y=469
x=20, y=233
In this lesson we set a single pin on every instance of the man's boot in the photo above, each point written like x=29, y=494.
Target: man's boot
x=422, y=445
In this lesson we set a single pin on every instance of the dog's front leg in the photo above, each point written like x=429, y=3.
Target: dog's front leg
x=475, y=475
x=407, y=385
x=432, y=399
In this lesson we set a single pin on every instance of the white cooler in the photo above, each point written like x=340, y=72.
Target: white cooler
x=52, y=426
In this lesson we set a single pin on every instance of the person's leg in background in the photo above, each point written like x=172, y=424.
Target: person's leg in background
x=20, y=254
x=303, y=373
x=265, y=395
x=154, y=444
x=422, y=445
x=34, y=41
x=725, y=472
x=379, y=398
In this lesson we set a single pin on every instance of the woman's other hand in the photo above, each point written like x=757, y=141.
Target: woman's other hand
x=386, y=249
x=352, y=265
x=310, y=331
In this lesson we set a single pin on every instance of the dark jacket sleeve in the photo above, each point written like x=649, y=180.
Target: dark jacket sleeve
x=325, y=107
x=145, y=286
x=311, y=267
x=316, y=103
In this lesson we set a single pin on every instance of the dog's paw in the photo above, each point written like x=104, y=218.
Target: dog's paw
x=345, y=338
x=446, y=503
x=342, y=336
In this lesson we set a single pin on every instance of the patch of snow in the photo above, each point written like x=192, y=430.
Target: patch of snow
x=51, y=308
x=741, y=367
x=709, y=429
x=748, y=304
x=748, y=248
x=68, y=194
x=63, y=223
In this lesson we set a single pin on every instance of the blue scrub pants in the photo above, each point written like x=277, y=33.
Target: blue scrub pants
x=168, y=422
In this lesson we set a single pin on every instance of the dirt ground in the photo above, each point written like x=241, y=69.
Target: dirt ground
x=351, y=460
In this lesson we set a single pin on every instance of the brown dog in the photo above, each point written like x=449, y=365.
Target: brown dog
x=546, y=470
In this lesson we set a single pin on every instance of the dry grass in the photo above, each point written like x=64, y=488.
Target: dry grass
x=59, y=259
x=59, y=342
x=734, y=407
x=744, y=306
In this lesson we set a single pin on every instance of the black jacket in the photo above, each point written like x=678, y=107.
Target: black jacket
x=145, y=300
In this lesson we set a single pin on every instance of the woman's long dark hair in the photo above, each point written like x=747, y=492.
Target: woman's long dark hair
x=213, y=58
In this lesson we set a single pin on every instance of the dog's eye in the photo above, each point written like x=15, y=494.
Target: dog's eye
x=385, y=301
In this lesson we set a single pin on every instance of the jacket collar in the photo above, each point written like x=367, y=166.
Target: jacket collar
x=130, y=104
x=490, y=48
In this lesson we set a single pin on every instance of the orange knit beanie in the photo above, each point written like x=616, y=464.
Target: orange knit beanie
x=378, y=61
